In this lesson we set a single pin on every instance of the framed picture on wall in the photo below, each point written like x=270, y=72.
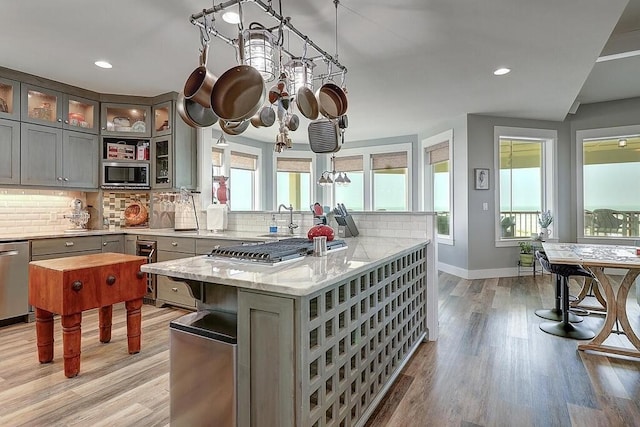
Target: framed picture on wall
x=482, y=178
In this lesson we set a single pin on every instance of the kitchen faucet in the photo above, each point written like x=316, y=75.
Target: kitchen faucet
x=292, y=226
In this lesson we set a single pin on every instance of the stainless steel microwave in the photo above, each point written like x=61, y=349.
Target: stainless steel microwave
x=125, y=175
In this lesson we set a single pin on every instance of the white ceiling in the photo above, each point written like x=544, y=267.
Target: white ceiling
x=412, y=63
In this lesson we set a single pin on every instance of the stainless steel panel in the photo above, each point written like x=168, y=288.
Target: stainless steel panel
x=202, y=379
x=14, y=271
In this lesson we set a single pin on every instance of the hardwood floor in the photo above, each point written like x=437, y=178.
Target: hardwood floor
x=492, y=366
x=113, y=388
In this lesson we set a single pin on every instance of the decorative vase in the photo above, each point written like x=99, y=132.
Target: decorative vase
x=544, y=233
x=221, y=193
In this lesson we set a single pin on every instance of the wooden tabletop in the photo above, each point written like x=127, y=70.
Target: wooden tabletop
x=592, y=255
x=85, y=261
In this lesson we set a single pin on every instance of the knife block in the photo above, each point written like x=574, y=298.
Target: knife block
x=346, y=227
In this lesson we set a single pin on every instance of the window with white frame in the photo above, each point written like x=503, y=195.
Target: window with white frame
x=217, y=157
x=352, y=194
x=293, y=182
x=608, y=163
x=238, y=165
x=524, y=182
x=380, y=179
x=390, y=181
x=438, y=182
x=242, y=177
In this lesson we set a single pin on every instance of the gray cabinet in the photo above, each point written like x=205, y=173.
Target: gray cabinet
x=80, y=159
x=53, y=157
x=41, y=105
x=9, y=99
x=41, y=155
x=173, y=150
x=9, y=152
x=65, y=247
x=113, y=243
x=170, y=291
x=266, y=378
x=125, y=120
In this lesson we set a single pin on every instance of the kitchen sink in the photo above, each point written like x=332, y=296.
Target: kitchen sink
x=280, y=235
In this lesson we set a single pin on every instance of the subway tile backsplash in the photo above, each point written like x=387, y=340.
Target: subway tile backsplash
x=34, y=211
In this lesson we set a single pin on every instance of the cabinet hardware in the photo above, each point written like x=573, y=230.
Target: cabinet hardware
x=139, y=274
x=174, y=289
x=65, y=179
x=111, y=280
x=104, y=244
x=76, y=286
x=68, y=244
x=66, y=122
x=59, y=120
x=174, y=243
x=59, y=178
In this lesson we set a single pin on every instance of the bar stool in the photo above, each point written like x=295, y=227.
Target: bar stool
x=554, y=313
x=564, y=328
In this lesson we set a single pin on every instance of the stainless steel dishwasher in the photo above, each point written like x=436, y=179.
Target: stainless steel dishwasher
x=14, y=276
x=202, y=372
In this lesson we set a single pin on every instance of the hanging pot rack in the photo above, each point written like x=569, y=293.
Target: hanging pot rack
x=284, y=22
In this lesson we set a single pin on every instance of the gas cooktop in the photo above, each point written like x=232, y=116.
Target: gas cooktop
x=273, y=252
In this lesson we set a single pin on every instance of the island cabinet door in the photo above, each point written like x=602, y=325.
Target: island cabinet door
x=266, y=393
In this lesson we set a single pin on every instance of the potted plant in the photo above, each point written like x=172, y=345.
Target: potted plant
x=526, y=254
x=545, y=219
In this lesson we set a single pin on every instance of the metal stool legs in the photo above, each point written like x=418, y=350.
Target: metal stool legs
x=556, y=313
x=564, y=328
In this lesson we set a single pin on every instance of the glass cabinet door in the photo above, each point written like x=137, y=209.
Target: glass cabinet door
x=80, y=114
x=161, y=162
x=125, y=120
x=41, y=106
x=162, y=118
x=9, y=99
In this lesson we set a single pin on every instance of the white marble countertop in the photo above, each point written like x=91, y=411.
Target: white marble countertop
x=298, y=277
x=169, y=232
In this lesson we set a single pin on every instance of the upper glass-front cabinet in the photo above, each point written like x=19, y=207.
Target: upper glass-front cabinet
x=125, y=120
x=41, y=106
x=9, y=99
x=80, y=114
x=162, y=118
x=51, y=108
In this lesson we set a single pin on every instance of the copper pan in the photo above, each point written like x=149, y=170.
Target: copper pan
x=238, y=94
x=307, y=103
x=233, y=128
x=200, y=82
x=332, y=100
x=194, y=114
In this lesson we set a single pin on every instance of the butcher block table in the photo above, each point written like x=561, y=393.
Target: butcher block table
x=68, y=286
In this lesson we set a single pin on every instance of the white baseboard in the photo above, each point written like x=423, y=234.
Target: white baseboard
x=481, y=274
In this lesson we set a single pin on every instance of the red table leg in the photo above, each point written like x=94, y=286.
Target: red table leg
x=71, y=343
x=44, y=335
x=104, y=318
x=134, y=320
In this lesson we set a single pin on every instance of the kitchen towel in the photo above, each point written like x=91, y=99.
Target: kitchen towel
x=216, y=217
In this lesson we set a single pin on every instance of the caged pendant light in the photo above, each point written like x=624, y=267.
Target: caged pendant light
x=258, y=47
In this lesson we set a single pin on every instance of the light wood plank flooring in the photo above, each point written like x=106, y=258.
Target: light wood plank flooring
x=492, y=366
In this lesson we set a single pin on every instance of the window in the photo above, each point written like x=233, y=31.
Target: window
x=217, y=156
x=293, y=182
x=438, y=182
x=390, y=176
x=242, y=179
x=610, y=164
x=524, y=185
x=352, y=194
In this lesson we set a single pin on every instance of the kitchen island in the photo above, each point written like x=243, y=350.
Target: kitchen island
x=320, y=339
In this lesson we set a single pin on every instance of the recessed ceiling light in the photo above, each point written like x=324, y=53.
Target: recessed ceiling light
x=502, y=71
x=231, y=17
x=103, y=64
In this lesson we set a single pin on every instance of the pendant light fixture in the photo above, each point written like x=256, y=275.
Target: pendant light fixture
x=258, y=46
x=331, y=177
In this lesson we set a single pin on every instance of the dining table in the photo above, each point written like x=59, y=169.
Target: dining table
x=597, y=258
